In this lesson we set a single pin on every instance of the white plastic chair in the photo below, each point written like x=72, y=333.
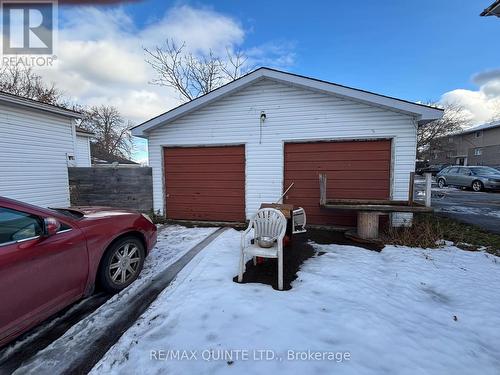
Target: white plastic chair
x=267, y=222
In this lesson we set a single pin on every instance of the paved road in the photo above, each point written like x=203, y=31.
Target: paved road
x=481, y=209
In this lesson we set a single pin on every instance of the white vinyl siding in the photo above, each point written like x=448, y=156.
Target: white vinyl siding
x=33, y=148
x=293, y=114
x=82, y=151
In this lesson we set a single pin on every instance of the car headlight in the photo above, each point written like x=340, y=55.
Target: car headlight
x=147, y=218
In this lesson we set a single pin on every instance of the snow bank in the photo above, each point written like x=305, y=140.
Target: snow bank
x=401, y=311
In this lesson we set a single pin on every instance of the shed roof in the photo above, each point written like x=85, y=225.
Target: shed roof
x=492, y=10
x=100, y=158
x=17, y=100
x=422, y=112
x=111, y=160
x=84, y=132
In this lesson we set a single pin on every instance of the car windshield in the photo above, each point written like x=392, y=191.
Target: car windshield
x=69, y=212
x=485, y=171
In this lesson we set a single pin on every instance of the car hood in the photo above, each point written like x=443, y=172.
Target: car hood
x=97, y=212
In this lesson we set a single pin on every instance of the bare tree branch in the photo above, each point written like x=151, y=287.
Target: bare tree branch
x=236, y=61
x=24, y=82
x=430, y=136
x=192, y=75
x=112, y=134
x=168, y=62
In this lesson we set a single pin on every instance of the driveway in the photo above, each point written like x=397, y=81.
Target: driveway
x=78, y=336
x=350, y=311
x=481, y=209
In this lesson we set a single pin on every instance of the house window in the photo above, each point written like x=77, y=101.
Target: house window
x=478, y=134
x=450, y=140
x=478, y=151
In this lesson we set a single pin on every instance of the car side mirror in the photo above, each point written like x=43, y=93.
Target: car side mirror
x=51, y=226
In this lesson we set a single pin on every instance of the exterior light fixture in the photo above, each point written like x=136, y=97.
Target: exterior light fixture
x=262, y=119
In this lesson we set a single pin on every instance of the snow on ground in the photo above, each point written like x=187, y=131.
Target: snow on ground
x=173, y=242
x=444, y=189
x=401, y=311
x=35, y=333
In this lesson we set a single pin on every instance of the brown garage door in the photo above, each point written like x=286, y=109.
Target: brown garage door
x=355, y=169
x=205, y=183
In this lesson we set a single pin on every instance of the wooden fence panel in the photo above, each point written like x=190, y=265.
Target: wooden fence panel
x=124, y=187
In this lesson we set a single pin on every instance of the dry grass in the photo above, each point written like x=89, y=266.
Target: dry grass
x=428, y=230
x=157, y=217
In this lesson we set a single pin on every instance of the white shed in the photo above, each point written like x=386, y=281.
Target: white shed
x=37, y=143
x=82, y=153
x=220, y=156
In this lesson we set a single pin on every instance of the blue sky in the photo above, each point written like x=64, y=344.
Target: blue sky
x=416, y=50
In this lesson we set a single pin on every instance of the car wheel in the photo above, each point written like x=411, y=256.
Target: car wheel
x=477, y=186
x=121, y=264
x=441, y=183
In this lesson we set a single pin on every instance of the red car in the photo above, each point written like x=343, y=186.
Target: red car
x=49, y=258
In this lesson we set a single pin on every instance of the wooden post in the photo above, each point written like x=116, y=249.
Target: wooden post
x=411, y=189
x=322, y=189
x=428, y=189
x=368, y=225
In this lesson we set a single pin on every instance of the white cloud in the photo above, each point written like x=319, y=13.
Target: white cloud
x=201, y=29
x=483, y=103
x=272, y=54
x=104, y=61
x=101, y=57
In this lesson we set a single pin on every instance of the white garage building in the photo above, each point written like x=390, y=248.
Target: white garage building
x=37, y=144
x=220, y=156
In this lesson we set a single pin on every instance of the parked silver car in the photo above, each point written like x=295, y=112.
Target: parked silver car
x=477, y=178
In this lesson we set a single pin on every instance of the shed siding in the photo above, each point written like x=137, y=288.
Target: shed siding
x=82, y=154
x=293, y=114
x=33, y=147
